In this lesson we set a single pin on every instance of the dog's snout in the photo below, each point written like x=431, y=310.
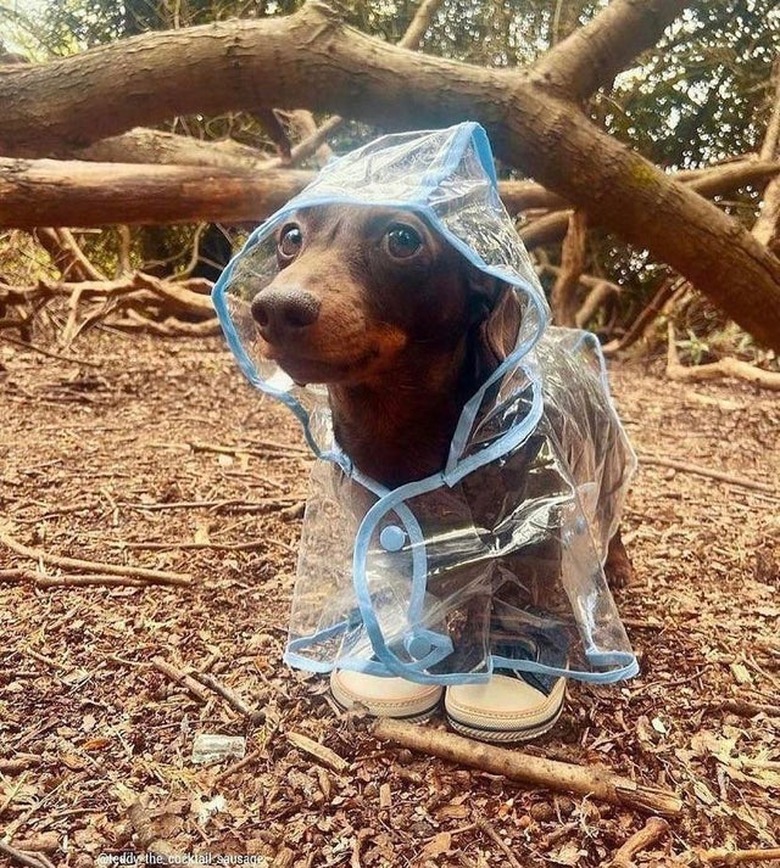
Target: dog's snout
x=280, y=311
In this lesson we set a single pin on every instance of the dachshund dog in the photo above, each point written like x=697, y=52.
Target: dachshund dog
x=397, y=324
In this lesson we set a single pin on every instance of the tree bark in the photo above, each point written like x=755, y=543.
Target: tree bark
x=80, y=193
x=50, y=192
x=767, y=227
x=563, y=298
x=311, y=57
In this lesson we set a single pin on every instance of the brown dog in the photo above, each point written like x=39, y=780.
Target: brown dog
x=396, y=323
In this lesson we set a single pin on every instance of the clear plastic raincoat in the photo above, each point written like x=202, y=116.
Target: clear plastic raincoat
x=497, y=560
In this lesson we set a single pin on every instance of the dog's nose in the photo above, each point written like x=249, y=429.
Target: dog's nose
x=279, y=312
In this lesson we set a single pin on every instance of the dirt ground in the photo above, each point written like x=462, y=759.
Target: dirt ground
x=155, y=453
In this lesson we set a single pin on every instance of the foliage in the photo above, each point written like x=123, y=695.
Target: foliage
x=702, y=95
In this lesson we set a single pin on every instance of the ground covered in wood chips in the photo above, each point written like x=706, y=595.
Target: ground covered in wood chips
x=154, y=453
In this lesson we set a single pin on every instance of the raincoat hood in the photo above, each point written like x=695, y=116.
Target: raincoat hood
x=496, y=560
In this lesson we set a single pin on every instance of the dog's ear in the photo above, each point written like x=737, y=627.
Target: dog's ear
x=498, y=323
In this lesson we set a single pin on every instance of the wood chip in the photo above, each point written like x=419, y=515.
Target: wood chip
x=321, y=753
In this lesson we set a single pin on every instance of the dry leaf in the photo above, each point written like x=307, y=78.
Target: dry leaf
x=438, y=845
x=97, y=743
x=659, y=726
x=569, y=854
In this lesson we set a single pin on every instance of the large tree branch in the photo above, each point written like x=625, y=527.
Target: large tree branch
x=76, y=193
x=593, y=55
x=50, y=192
x=311, y=57
x=142, y=145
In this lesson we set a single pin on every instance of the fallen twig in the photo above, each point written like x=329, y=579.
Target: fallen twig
x=42, y=580
x=256, y=715
x=640, y=325
x=180, y=677
x=744, y=708
x=88, y=580
x=96, y=567
x=722, y=856
x=598, y=782
x=170, y=327
x=30, y=859
x=324, y=754
x=19, y=763
x=63, y=357
x=728, y=367
x=709, y=472
x=484, y=826
x=654, y=828
x=194, y=546
x=237, y=766
x=261, y=449
x=281, y=500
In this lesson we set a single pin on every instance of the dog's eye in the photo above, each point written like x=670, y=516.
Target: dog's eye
x=402, y=241
x=290, y=241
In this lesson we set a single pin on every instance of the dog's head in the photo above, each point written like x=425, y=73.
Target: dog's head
x=360, y=288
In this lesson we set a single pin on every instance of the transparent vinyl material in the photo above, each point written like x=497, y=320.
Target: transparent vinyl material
x=496, y=561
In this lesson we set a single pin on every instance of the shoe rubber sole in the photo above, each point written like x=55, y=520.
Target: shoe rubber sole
x=505, y=736
x=415, y=710
x=493, y=721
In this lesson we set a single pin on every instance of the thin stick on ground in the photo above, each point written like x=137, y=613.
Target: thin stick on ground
x=263, y=448
x=485, y=827
x=94, y=567
x=745, y=708
x=709, y=472
x=256, y=715
x=723, y=856
x=654, y=829
x=550, y=774
x=19, y=763
x=237, y=766
x=21, y=857
x=667, y=290
x=182, y=678
x=63, y=357
x=321, y=753
x=88, y=580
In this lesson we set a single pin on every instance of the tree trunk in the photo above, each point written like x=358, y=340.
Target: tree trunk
x=312, y=59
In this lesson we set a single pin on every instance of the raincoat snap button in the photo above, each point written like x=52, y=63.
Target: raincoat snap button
x=418, y=648
x=392, y=538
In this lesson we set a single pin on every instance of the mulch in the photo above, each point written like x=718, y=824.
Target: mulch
x=152, y=453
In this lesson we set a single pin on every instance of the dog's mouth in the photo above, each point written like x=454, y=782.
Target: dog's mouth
x=309, y=369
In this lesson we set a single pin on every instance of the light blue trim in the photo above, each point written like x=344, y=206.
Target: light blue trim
x=384, y=505
x=496, y=662
x=629, y=668
x=453, y=473
x=416, y=542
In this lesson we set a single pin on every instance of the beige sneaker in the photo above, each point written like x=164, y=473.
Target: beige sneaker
x=505, y=709
x=385, y=696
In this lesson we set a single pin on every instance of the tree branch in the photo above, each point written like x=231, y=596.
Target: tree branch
x=767, y=227
x=76, y=193
x=312, y=57
x=46, y=192
x=593, y=55
x=563, y=299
